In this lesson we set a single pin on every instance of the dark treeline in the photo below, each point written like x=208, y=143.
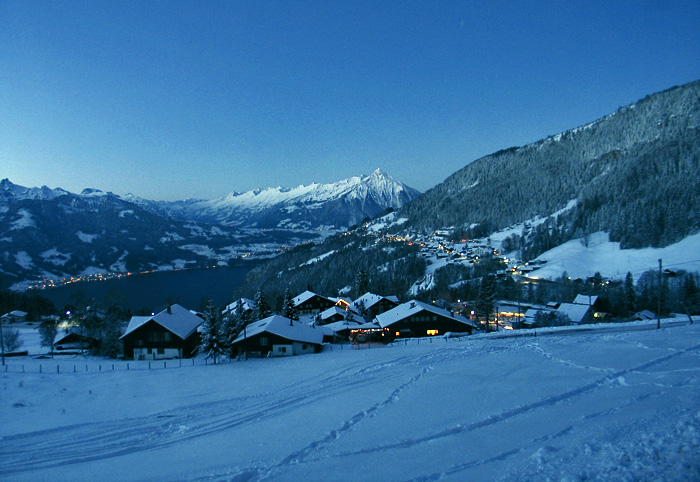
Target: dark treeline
x=32, y=303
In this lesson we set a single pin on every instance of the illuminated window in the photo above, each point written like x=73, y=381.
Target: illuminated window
x=398, y=333
x=432, y=332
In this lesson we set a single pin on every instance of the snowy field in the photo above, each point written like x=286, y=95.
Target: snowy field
x=564, y=407
x=606, y=257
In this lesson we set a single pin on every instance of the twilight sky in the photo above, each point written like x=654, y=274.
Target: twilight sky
x=171, y=100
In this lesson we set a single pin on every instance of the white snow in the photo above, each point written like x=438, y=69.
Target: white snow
x=562, y=407
x=123, y=214
x=55, y=257
x=86, y=238
x=23, y=259
x=606, y=257
x=25, y=220
x=317, y=258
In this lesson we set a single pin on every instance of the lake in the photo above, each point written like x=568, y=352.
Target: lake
x=153, y=291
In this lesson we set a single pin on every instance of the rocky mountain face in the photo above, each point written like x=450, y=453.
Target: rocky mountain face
x=334, y=206
x=52, y=233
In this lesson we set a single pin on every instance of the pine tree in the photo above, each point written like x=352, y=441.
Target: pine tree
x=361, y=282
x=261, y=309
x=487, y=297
x=211, y=344
x=288, y=308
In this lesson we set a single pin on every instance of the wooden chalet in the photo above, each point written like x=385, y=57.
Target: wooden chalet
x=278, y=336
x=376, y=304
x=309, y=303
x=417, y=319
x=172, y=333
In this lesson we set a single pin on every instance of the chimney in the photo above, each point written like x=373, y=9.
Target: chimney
x=170, y=310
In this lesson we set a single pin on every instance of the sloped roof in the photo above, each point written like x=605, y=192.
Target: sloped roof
x=575, y=312
x=244, y=303
x=344, y=325
x=180, y=321
x=371, y=299
x=285, y=328
x=306, y=296
x=17, y=313
x=410, y=308
x=585, y=299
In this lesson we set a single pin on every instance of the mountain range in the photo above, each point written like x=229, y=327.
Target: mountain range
x=53, y=233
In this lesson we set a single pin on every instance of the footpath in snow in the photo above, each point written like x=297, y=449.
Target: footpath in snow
x=603, y=405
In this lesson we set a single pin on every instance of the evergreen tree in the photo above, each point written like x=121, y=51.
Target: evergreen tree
x=487, y=297
x=361, y=282
x=261, y=309
x=288, y=308
x=211, y=344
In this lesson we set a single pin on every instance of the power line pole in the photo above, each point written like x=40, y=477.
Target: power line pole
x=658, y=314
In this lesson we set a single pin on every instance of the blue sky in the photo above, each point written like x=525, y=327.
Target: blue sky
x=171, y=100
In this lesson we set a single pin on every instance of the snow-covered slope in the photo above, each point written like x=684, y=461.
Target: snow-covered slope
x=565, y=407
x=340, y=204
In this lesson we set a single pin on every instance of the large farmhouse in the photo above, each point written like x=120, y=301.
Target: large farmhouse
x=172, y=333
x=278, y=336
x=416, y=318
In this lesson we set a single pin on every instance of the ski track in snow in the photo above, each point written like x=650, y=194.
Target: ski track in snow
x=103, y=440
x=304, y=455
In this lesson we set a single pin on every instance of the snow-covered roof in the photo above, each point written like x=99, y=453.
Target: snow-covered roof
x=410, y=308
x=575, y=312
x=371, y=299
x=176, y=319
x=305, y=296
x=285, y=328
x=244, y=303
x=16, y=313
x=344, y=325
x=585, y=299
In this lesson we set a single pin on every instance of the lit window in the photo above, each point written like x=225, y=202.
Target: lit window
x=432, y=332
x=398, y=333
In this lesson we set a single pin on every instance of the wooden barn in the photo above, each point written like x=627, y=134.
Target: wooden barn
x=172, y=333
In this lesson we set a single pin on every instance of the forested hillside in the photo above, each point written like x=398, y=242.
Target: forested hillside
x=633, y=173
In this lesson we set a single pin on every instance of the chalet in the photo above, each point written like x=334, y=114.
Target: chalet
x=575, y=312
x=336, y=313
x=342, y=329
x=376, y=304
x=73, y=340
x=311, y=303
x=242, y=304
x=15, y=316
x=416, y=318
x=279, y=336
x=172, y=333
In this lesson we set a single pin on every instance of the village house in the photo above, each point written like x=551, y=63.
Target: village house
x=16, y=316
x=72, y=340
x=375, y=304
x=172, y=333
x=278, y=336
x=309, y=303
x=415, y=319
